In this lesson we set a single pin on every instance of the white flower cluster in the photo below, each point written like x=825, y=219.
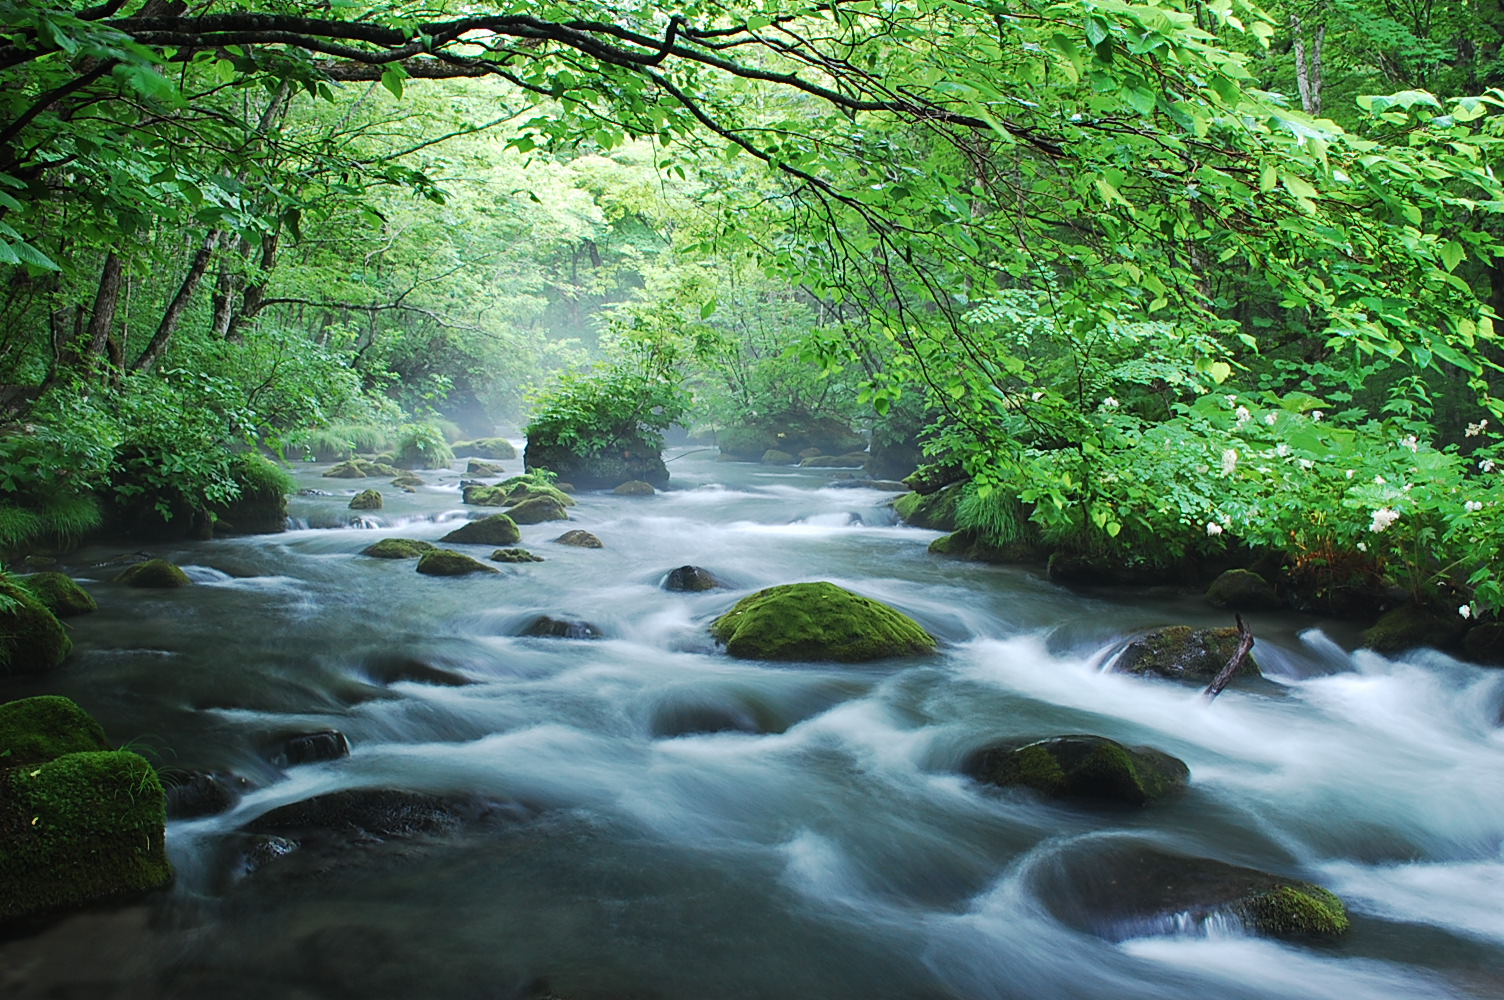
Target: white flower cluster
x=1487, y=465
x=1213, y=528
x=1465, y=610
x=1473, y=505
x=1109, y=403
x=1242, y=415
x=1411, y=442
x=1383, y=518
x=1473, y=430
x=1229, y=461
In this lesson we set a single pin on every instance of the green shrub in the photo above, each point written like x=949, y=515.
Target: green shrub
x=422, y=446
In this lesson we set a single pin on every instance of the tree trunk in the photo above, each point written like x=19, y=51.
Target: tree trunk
x=255, y=289
x=102, y=321
x=1308, y=70
x=160, y=339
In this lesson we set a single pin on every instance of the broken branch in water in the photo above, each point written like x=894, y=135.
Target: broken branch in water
x=1245, y=644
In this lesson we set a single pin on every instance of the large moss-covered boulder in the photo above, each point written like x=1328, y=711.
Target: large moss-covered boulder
x=345, y=470
x=80, y=829
x=790, y=433
x=398, y=548
x=447, y=562
x=477, y=467
x=261, y=507
x=60, y=594
x=817, y=621
x=1120, y=890
x=930, y=510
x=33, y=730
x=156, y=574
x=367, y=500
x=32, y=640
x=625, y=459
x=967, y=544
x=494, y=448
x=1412, y=626
x=579, y=539
x=1242, y=590
x=515, y=556
x=1179, y=652
x=775, y=457
x=537, y=510
x=1083, y=767
x=636, y=488
x=514, y=491
x=497, y=529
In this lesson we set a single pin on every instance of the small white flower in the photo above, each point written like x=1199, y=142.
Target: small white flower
x=1487, y=465
x=1229, y=461
x=1349, y=473
x=1037, y=396
x=1242, y=414
x=1283, y=450
x=1465, y=610
x=1110, y=403
x=1473, y=505
x=1378, y=480
x=1269, y=418
x=1383, y=518
x=1232, y=398
x=1473, y=430
x=1213, y=528
x=1362, y=546
x=1410, y=442
x=1306, y=463
x=1316, y=415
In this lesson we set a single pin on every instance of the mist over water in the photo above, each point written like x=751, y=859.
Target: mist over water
x=670, y=823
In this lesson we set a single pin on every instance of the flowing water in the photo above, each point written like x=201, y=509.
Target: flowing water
x=819, y=842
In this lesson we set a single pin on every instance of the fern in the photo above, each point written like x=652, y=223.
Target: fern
x=996, y=518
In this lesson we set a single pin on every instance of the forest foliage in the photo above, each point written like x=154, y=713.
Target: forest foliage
x=1159, y=276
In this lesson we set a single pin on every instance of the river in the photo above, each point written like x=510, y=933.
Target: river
x=822, y=843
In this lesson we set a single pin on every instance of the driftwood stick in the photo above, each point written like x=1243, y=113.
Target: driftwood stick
x=1245, y=644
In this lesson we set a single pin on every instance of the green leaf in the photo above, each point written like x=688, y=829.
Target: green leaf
x=391, y=79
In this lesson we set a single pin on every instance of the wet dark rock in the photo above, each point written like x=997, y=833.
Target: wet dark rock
x=1412, y=626
x=548, y=627
x=310, y=748
x=886, y=485
x=408, y=481
x=1083, y=767
x=381, y=812
x=398, y=548
x=396, y=669
x=820, y=622
x=1179, y=652
x=1242, y=590
x=810, y=452
x=515, y=556
x=366, y=500
x=635, y=488
x=536, y=510
x=690, y=579
x=854, y=460
x=314, y=493
x=497, y=529
x=690, y=717
x=201, y=793
x=60, y=594
x=579, y=539
x=1485, y=643
x=157, y=574
x=447, y=562
x=933, y=510
x=478, y=468
x=967, y=545
x=775, y=457
x=933, y=478
x=1121, y=890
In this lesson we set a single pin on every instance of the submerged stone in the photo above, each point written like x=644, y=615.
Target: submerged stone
x=80, y=829
x=398, y=548
x=548, y=627
x=157, y=574
x=635, y=488
x=1124, y=890
x=367, y=500
x=579, y=539
x=817, y=621
x=60, y=594
x=1179, y=652
x=690, y=579
x=1083, y=767
x=44, y=727
x=497, y=529
x=310, y=748
x=447, y=562
x=201, y=793
x=395, y=669
x=32, y=640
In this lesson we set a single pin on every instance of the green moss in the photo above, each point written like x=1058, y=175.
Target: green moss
x=408, y=481
x=1411, y=626
x=538, y=509
x=345, y=470
x=33, y=730
x=156, y=573
x=447, y=562
x=1243, y=590
x=79, y=829
x=260, y=476
x=493, y=448
x=775, y=457
x=397, y=548
x=366, y=500
x=935, y=510
x=1084, y=767
x=476, y=467
x=635, y=488
x=32, y=640
x=498, y=529
x=514, y=556
x=1295, y=910
x=60, y=594
x=817, y=621
x=1180, y=652
x=422, y=446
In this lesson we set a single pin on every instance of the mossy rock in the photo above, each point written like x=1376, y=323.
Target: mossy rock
x=261, y=507
x=775, y=457
x=32, y=640
x=485, y=496
x=809, y=452
x=493, y=448
x=579, y=539
x=537, y=510
x=377, y=468
x=408, y=481
x=497, y=529
x=1242, y=590
x=346, y=470
x=635, y=488
x=476, y=467
x=934, y=510
x=1412, y=626
x=934, y=477
x=1179, y=652
x=366, y=500
x=1084, y=767
x=398, y=548
x=514, y=556
x=853, y=461
x=44, y=727
x=1485, y=643
x=60, y=594
x=817, y=621
x=1122, y=890
x=157, y=574
x=967, y=545
x=80, y=829
x=447, y=562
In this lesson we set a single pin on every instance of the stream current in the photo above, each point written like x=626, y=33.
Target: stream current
x=822, y=843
